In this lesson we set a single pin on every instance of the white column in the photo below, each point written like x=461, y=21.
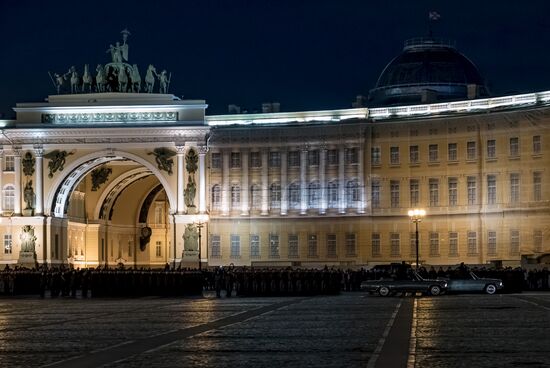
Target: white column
x=225, y=182
x=39, y=153
x=181, y=185
x=244, y=182
x=361, y=175
x=342, y=178
x=1, y=181
x=17, y=200
x=303, y=183
x=202, y=178
x=284, y=189
x=265, y=184
x=322, y=180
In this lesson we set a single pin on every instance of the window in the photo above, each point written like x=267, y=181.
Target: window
x=7, y=244
x=452, y=152
x=375, y=156
x=375, y=239
x=514, y=188
x=313, y=194
x=332, y=157
x=375, y=194
x=514, y=146
x=331, y=245
x=255, y=160
x=492, y=243
x=453, y=243
x=412, y=243
x=256, y=196
x=537, y=240
x=491, y=148
x=9, y=163
x=274, y=246
x=434, y=192
x=215, y=245
x=274, y=159
x=434, y=244
x=158, y=248
x=352, y=192
x=491, y=189
x=235, y=250
x=235, y=196
x=254, y=246
x=394, y=193
x=395, y=250
x=294, y=195
x=472, y=242
x=333, y=194
x=394, y=155
x=471, y=184
x=9, y=198
x=235, y=160
x=159, y=213
x=413, y=154
x=453, y=191
x=294, y=159
x=514, y=242
x=312, y=245
x=433, y=152
x=292, y=246
x=537, y=186
x=537, y=145
x=352, y=156
x=313, y=158
x=274, y=195
x=350, y=244
x=414, y=194
x=471, y=151
x=216, y=160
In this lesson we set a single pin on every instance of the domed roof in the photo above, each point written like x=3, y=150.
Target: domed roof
x=428, y=70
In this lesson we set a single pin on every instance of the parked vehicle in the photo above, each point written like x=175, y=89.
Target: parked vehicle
x=412, y=283
x=469, y=282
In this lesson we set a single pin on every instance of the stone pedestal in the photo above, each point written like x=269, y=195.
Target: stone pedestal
x=191, y=210
x=27, y=259
x=28, y=212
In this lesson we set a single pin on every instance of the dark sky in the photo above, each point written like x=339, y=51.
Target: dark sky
x=305, y=54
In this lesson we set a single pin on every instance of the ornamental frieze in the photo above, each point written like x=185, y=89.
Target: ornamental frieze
x=110, y=117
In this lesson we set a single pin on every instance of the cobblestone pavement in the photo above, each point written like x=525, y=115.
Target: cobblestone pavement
x=350, y=330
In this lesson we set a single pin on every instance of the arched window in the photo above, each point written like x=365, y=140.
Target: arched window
x=294, y=195
x=352, y=192
x=313, y=194
x=216, y=196
x=333, y=194
x=275, y=195
x=256, y=196
x=235, y=196
x=9, y=198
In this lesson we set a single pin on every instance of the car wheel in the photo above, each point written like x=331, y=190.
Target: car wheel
x=490, y=289
x=384, y=291
x=435, y=290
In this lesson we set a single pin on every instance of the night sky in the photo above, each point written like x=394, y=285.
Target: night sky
x=307, y=55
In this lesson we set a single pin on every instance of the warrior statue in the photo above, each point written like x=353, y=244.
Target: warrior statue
x=164, y=81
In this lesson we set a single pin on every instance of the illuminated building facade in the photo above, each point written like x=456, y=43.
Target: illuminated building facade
x=116, y=177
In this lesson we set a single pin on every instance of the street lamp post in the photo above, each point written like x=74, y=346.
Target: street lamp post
x=200, y=221
x=416, y=216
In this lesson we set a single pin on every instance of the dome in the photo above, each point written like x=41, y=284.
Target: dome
x=428, y=70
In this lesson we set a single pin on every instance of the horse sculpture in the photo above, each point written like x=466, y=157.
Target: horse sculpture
x=87, y=79
x=75, y=81
x=100, y=79
x=122, y=79
x=150, y=78
x=136, y=79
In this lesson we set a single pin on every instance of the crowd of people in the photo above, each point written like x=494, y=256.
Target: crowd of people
x=231, y=281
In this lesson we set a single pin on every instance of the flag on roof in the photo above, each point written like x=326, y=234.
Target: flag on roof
x=433, y=15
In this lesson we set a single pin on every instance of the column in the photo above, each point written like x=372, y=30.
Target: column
x=342, y=179
x=303, y=184
x=284, y=179
x=265, y=183
x=361, y=175
x=225, y=182
x=17, y=199
x=181, y=185
x=244, y=182
x=1, y=181
x=39, y=153
x=323, y=180
x=202, y=178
